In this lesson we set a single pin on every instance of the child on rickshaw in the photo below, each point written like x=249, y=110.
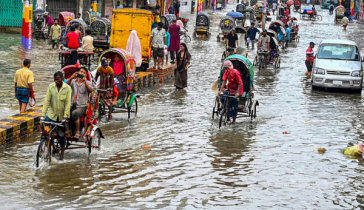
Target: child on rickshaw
x=118, y=65
x=234, y=87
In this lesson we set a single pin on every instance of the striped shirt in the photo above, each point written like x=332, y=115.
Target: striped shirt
x=309, y=53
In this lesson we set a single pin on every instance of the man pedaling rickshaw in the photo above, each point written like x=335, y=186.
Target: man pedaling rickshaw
x=233, y=88
x=273, y=49
x=81, y=88
x=264, y=44
x=232, y=42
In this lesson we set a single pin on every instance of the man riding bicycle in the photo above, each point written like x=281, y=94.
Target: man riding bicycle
x=273, y=48
x=58, y=103
x=232, y=41
x=264, y=44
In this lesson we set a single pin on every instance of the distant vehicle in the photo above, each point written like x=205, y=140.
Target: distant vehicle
x=338, y=65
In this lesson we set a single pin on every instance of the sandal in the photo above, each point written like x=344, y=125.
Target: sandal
x=110, y=117
x=154, y=68
x=77, y=136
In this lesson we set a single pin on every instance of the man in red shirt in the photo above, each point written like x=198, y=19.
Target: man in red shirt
x=234, y=86
x=309, y=58
x=72, y=39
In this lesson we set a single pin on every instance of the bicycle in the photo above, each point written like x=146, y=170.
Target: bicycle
x=225, y=54
x=48, y=147
x=185, y=37
x=224, y=115
x=127, y=104
x=261, y=59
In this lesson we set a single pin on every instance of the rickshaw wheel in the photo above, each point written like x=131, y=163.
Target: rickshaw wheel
x=101, y=111
x=43, y=153
x=133, y=108
x=216, y=108
x=95, y=141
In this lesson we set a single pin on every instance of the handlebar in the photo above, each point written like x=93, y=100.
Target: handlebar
x=104, y=90
x=61, y=124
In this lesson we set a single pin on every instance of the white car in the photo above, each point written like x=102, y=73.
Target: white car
x=338, y=64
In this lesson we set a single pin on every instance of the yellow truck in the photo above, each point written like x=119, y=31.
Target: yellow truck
x=126, y=20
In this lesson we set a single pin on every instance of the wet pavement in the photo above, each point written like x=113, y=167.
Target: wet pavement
x=194, y=165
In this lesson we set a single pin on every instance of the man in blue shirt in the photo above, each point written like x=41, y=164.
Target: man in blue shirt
x=118, y=5
x=251, y=35
x=287, y=38
x=171, y=9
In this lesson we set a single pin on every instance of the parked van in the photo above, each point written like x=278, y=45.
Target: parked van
x=338, y=65
x=126, y=20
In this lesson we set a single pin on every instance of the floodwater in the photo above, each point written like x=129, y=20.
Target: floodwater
x=191, y=163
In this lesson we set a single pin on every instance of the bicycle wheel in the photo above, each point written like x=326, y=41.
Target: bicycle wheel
x=42, y=152
x=255, y=62
x=260, y=64
x=188, y=39
x=95, y=141
x=223, y=118
x=133, y=109
x=215, y=109
x=101, y=110
x=224, y=113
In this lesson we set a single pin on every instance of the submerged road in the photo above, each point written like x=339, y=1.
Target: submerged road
x=194, y=165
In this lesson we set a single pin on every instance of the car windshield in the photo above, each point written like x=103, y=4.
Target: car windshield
x=339, y=52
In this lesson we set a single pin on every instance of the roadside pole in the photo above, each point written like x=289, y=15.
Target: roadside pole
x=27, y=28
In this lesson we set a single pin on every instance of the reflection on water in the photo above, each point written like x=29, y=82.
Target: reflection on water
x=192, y=164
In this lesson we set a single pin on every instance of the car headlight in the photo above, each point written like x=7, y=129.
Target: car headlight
x=319, y=71
x=357, y=74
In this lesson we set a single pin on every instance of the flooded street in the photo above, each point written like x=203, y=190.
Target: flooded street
x=192, y=164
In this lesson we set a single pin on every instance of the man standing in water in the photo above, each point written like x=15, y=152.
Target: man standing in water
x=55, y=34
x=252, y=32
x=23, y=84
x=49, y=21
x=58, y=103
x=158, y=38
x=309, y=58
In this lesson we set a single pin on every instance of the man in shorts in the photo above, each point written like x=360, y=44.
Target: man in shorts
x=23, y=80
x=309, y=58
x=158, y=38
x=232, y=42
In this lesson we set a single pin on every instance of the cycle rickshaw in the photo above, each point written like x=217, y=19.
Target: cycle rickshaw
x=226, y=24
x=82, y=26
x=167, y=19
x=100, y=31
x=127, y=98
x=242, y=37
x=247, y=104
x=38, y=19
x=90, y=16
x=339, y=13
x=275, y=59
x=308, y=14
x=202, y=27
x=240, y=8
x=90, y=133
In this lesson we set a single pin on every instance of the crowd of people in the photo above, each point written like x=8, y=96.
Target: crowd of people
x=166, y=40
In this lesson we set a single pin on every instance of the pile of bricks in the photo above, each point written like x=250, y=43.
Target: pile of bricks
x=167, y=72
x=143, y=80
x=19, y=126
